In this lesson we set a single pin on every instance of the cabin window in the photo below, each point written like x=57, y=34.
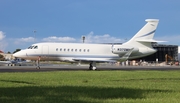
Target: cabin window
x=84, y=50
x=67, y=49
x=64, y=49
x=56, y=49
x=79, y=50
x=88, y=50
x=71, y=49
x=75, y=50
x=60, y=49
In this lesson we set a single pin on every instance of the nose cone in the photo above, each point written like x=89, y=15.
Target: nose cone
x=19, y=54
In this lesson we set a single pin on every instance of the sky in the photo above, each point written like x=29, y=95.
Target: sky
x=25, y=22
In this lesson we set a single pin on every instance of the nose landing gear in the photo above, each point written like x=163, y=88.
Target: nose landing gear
x=38, y=62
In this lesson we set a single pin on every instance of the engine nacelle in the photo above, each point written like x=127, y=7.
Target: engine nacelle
x=119, y=49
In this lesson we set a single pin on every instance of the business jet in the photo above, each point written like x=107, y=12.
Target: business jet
x=138, y=46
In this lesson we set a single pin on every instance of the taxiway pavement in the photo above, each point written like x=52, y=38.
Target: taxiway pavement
x=85, y=67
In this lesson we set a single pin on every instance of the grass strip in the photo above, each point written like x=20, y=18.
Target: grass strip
x=90, y=87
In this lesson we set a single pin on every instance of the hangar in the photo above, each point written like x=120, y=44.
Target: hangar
x=163, y=53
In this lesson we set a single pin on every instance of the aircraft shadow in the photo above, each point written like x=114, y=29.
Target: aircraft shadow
x=69, y=94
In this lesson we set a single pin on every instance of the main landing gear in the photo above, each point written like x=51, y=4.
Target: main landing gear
x=92, y=66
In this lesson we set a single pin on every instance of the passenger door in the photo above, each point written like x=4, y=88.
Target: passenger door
x=45, y=51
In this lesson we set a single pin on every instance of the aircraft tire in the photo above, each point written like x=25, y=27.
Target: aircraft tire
x=38, y=67
x=94, y=68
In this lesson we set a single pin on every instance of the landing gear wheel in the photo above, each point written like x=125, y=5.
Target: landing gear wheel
x=38, y=67
x=92, y=66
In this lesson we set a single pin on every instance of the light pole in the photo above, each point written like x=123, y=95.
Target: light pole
x=34, y=34
x=83, y=38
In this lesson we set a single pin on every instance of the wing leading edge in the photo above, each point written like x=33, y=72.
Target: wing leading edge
x=94, y=59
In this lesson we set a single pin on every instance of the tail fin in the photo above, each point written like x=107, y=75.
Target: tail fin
x=144, y=37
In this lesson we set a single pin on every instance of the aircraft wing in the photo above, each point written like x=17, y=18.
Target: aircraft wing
x=14, y=62
x=5, y=62
x=94, y=59
x=123, y=58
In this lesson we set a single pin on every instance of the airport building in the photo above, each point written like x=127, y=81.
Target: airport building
x=164, y=52
x=6, y=56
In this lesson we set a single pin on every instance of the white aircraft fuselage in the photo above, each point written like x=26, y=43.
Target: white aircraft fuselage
x=88, y=52
x=138, y=46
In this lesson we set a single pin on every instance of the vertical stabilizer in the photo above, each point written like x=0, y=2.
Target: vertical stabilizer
x=145, y=34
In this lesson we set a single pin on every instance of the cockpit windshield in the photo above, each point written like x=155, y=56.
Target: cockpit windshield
x=36, y=47
x=33, y=47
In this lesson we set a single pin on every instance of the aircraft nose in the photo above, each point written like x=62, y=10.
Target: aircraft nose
x=18, y=54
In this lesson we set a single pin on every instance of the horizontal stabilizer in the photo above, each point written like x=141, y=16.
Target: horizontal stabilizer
x=148, y=40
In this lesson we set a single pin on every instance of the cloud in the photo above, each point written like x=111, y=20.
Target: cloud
x=28, y=39
x=24, y=40
x=106, y=38
x=59, y=39
x=2, y=35
x=89, y=38
x=3, y=43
